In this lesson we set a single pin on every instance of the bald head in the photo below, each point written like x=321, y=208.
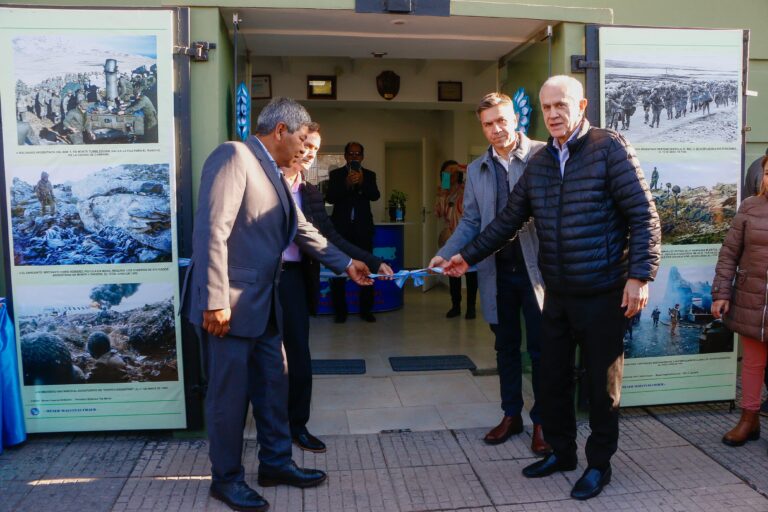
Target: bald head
x=562, y=104
x=570, y=85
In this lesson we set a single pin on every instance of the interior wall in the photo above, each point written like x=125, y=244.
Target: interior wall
x=373, y=128
x=356, y=79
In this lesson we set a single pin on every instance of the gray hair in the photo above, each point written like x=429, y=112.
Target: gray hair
x=282, y=110
x=573, y=87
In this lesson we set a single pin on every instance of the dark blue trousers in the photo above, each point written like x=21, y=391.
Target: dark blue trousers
x=240, y=370
x=514, y=296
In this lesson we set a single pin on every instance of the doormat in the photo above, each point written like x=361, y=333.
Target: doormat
x=430, y=363
x=338, y=366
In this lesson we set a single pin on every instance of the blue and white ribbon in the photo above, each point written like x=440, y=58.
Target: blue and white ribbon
x=399, y=278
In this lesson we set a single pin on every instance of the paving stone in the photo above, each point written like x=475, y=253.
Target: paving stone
x=173, y=458
x=368, y=489
x=412, y=449
x=96, y=459
x=347, y=452
x=733, y=498
x=505, y=484
x=11, y=493
x=72, y=495
x=682, y=467
x=626, y=477
x=29, y=461
x=438, y=488
x=641, y=432
x=169, y=494
x=700, y=426
x=476, y=450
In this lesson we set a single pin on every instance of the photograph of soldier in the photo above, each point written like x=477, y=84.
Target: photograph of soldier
x=655, y=316
x=695, y=203
x=680, y=322
x=44, y=192
x=685, y=97
x=86, y=214
x=86, y=90
x=87, y=334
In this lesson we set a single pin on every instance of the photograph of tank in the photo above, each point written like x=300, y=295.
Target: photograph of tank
x=696, y=198
x=671, y=95
x=80, y=215
x=85, y=89
x=677, y=320
x=85, y=334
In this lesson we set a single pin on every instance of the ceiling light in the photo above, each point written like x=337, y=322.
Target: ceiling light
x=378, y=55
x=398, y=21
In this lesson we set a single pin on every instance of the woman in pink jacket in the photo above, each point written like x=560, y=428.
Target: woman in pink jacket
x=739, y=294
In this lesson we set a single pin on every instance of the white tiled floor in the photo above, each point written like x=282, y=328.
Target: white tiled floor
x=383, y=399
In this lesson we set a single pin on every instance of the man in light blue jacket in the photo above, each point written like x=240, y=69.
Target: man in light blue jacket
x=510, y=282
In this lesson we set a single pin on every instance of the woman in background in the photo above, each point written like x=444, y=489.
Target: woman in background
x=449, y=207
x=739, y=294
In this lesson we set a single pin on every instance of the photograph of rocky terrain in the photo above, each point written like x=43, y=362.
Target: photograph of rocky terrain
x=85, y=90
x=672, y=98
x=677, y=320
x=79, y=215
x=85, y=334
x=696, y=199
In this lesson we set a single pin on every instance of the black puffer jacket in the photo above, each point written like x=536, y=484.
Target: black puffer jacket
x=313, y=207
x=597, y=226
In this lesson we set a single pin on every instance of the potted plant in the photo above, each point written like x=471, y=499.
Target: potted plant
x=396, y=205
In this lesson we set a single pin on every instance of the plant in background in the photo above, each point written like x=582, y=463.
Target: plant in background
x=396, y=205
x=397, y=199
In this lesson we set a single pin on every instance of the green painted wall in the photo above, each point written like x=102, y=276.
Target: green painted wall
x=211, y=89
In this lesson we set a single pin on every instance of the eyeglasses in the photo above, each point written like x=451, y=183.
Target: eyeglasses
x=354, y=153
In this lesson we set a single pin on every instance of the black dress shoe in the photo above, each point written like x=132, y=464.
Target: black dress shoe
x=340, y=319
x=291, y=474
x=591, y=483
x=549, y=465
x=309, y=443
x=238, y=496
x=470, y=315
x=368, y=317
x=453, y=312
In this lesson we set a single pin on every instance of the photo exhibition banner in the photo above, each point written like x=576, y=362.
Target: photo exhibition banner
x=676, y=96
x=89, y=160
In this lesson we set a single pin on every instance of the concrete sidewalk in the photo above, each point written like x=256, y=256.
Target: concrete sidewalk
x=669, y=459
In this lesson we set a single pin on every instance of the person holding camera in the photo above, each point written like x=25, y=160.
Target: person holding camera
x=450, y=207
x=350, y=190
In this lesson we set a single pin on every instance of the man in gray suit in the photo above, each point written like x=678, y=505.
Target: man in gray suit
x=244, y=221
x=510, y=282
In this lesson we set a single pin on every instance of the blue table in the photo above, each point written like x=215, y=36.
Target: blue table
x=388, y=244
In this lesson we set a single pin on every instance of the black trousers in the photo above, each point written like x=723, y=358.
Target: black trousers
x=455, y=286
x=293, y=299
x=338, y=285
x=595, y=323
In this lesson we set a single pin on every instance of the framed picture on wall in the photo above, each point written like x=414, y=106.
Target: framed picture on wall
x=449, y=91
x=261, y=87
x=321, y=87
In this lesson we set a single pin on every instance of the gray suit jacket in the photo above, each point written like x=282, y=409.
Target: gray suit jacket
x=245, y=219
x=479, y=210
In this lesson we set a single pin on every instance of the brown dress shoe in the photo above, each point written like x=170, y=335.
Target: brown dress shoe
x=747, y=429
x=538, y=445
x=509, y=426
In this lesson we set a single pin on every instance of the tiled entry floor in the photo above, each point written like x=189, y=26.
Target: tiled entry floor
x=382, y=399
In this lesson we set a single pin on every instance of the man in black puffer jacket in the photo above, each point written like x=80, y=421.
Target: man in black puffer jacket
x=599, y=246
x=299, y=287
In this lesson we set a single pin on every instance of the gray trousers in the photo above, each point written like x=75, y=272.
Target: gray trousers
x=240, y=370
